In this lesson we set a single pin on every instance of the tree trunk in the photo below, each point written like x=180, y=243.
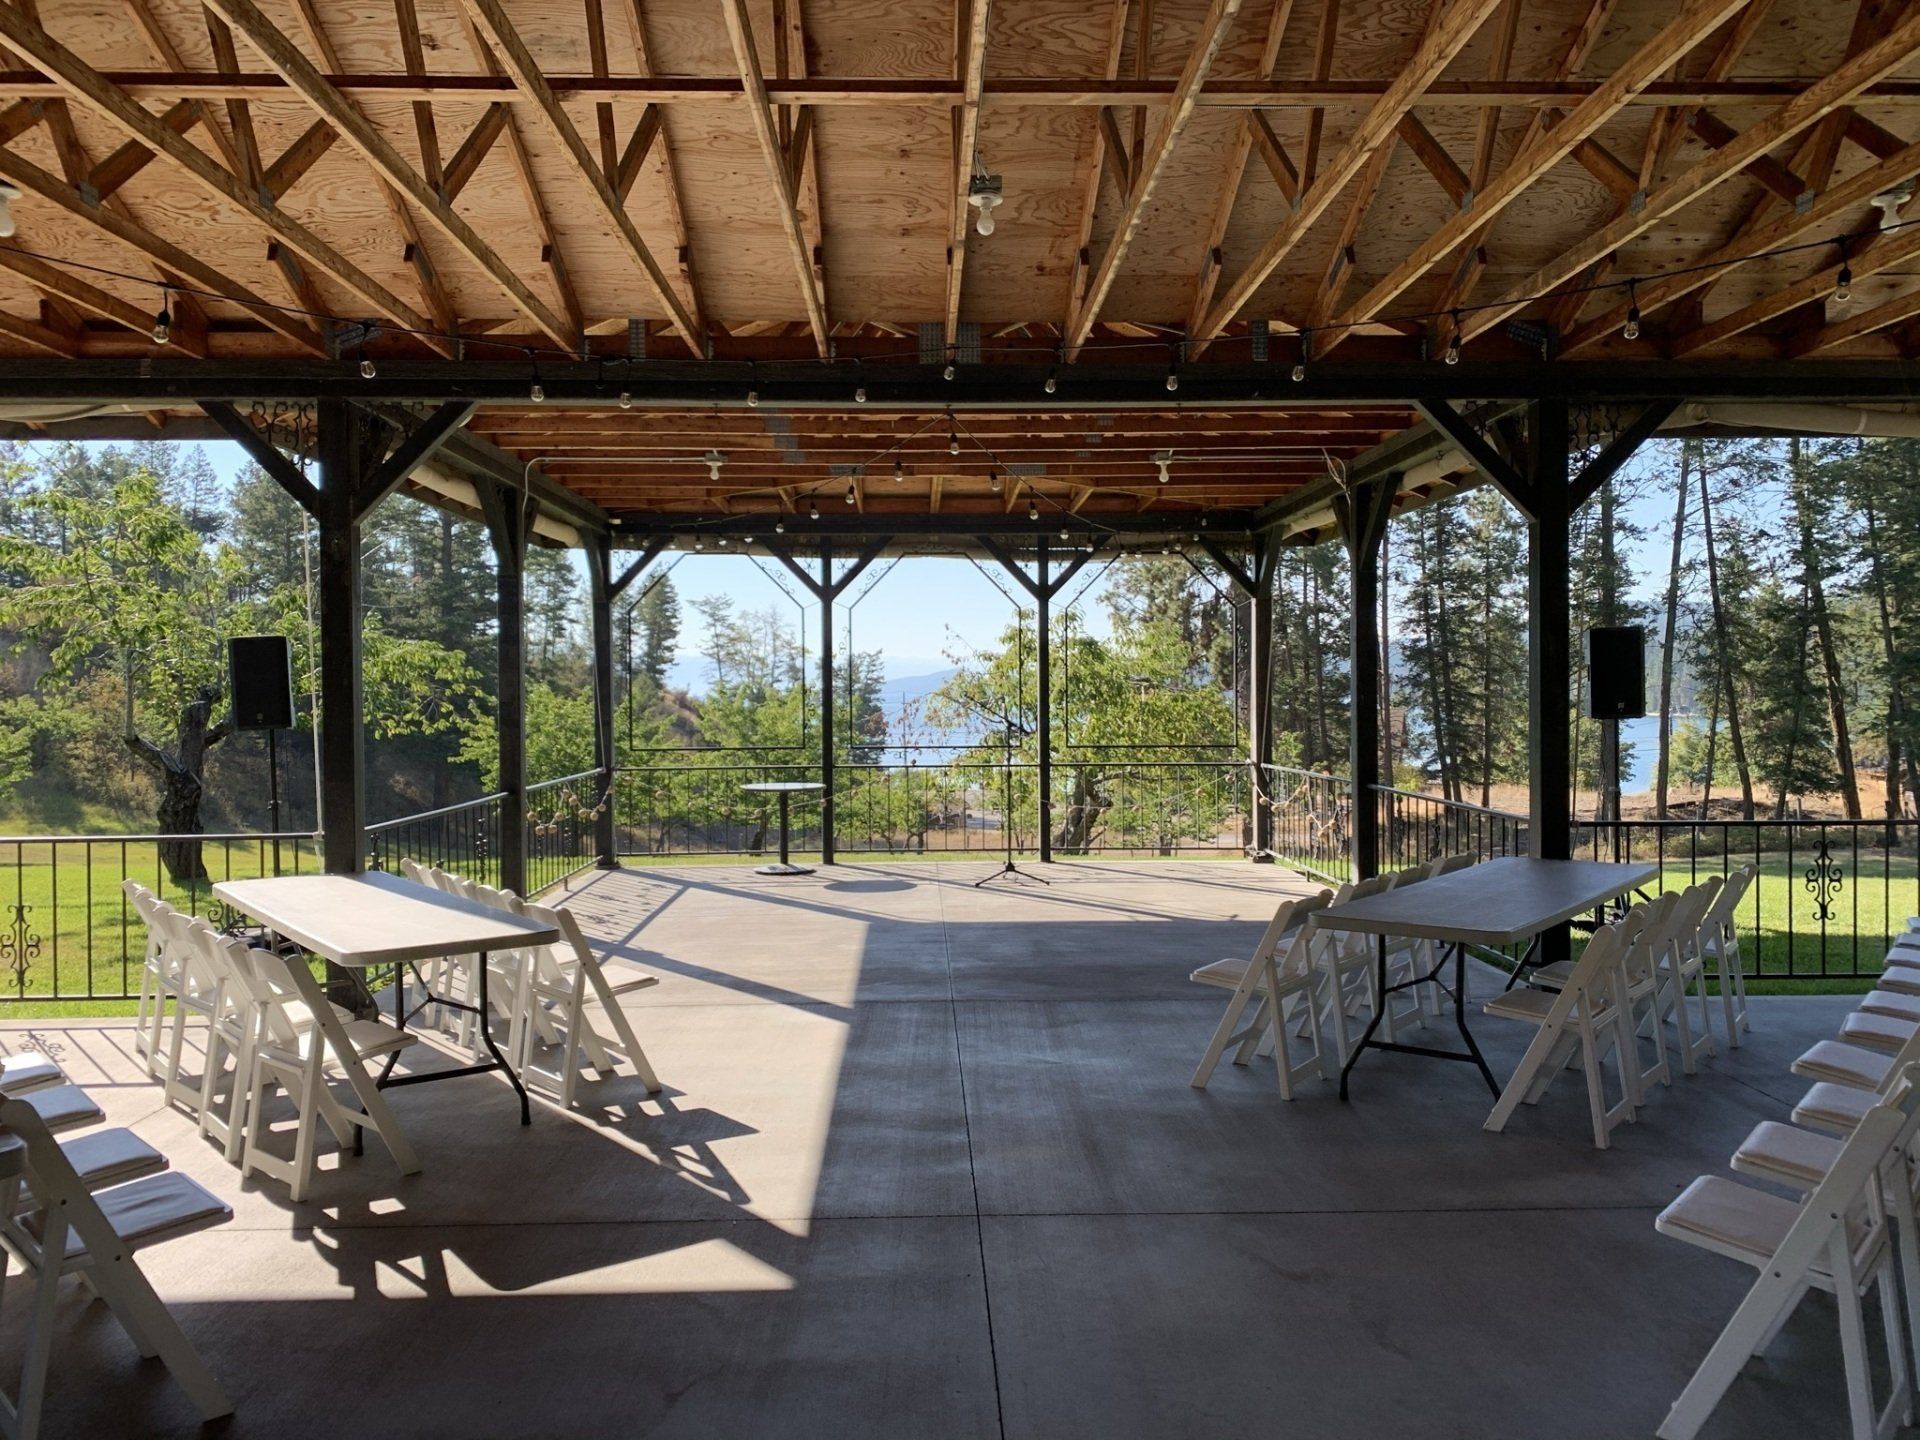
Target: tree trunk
x=1723, y=653
x=1486, y=671
x=1816, y=594
x=1896, y=717
x=1386, y=661
x=1713, y=746
x=1662, y=767
x=180, y=775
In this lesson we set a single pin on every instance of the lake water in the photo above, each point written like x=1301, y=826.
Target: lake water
x=1644, y=736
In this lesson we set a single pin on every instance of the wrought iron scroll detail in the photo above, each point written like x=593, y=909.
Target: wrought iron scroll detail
x=19, y=946
x=1824, y=880
x=288, y=425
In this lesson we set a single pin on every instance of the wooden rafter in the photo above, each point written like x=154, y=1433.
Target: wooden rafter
x=477, y=145
x=1326, y=39
x=1816, y=101
x=746, y=54
x=1253, y=129
x=1103, y=150
x=361, y=136
x=802, y=149
x=87, y=85
x=1695, y=20
x=1148, y=169
x=971, y=60
x=52, y=280
x=672, y=204
x=1451, y=27
x=513, y=55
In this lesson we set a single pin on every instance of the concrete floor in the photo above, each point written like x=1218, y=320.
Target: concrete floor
x=928, y=1165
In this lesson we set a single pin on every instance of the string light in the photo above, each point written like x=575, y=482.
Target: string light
x=367, y=372
x=536, y=392
x=162, y=323
x=1453, y=341
x=1033, y=511
x=859, y=394
x=626, y=399
x=899, y=472
x=1843, y=284
x=1052, y=384
x=947, y=374
x=1173, y=371
x=993, y=481
x=753, y=399
x=1063, y=533
x=953, y=443
x=852, y=494
x=1300, y=363
x=1631, y=330
x=813, y=511
x=779, y=527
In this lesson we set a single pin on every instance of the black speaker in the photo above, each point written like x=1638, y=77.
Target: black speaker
x=1616, y=672
x=260, y=672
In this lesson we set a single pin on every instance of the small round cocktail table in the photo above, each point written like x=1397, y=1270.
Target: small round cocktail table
x=786, y=790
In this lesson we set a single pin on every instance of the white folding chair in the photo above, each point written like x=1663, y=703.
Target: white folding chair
x=55, y=1224
x=1838, y=1240
x=1588, y=1016
x=199, y=982
x=156, y=978
x=568, y=989
x=290, y=1050
x=1686, y=972
x=1720, y=944
x=1282, y=984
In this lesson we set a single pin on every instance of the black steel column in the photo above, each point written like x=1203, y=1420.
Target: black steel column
x=1266, y=564
x=1549, y=637
x=506, y=513
x=1043, y=657
x=599, y=564
x=341, y=444
x=1362, y=516
x=826, y=592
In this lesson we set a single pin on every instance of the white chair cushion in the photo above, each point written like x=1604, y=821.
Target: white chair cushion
x=111, y=1157
x=1889, y=1002
x=1786, y=1155
x=61, y=1107
x=1730, y=1219
x=156, y=1208
x=1522, y=1004
x=1835, y=1108
x=1844, y=1065
x=28, y=1070
x=1899, y=979
x=1877, y=1032
x=1227, y=974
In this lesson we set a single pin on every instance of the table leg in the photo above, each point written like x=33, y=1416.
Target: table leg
x=486, y=1034
x=1373, y=1022
x=783, y=827
x=365, y=1090
x=1460, y=1016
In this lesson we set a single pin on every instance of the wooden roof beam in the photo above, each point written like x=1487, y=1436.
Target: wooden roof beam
x=491, y=20
x=52, y=280
x=1817, y=101
x=1148, y=170
x=357, y=132
x=670, y=198
x=1104, y=149
x=1898, y=250
x=1696, y=20
x=740, y=32
x=84, y=83
x=1450, y=27
x=971, y=61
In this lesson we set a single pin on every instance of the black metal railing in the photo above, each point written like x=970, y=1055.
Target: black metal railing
x=935, y=800
x=561, y=816
x=67, y=930
x=463, y=838
x=1416, y=828
x=1312, y=816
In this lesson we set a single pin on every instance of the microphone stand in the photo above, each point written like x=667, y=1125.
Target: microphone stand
x=1008, y=725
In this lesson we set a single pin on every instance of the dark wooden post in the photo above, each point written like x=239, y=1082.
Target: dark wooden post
x=1362, y=516
x=341, y=443
x=507, y=517
x=1266, y=565
x=825, y=592
x=1043, y=700
x=1549, y=641
x=599, y=565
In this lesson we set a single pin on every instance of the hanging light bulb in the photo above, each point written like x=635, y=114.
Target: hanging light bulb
x=8, y=194
x=947, y=374
x=779, y=527
x=1063, y=533
x=852, y=495
x=162, y=323
x=813, y=511
x=953, y=443
x=1052, y=384
x=1033, y=510
x=367, y=372
x=1173, y=374
x=626, y=399
x=1300, y=362
x=699, y=542
x=1843, y=284
x=1453, y=341
x=1631, y=330
x=899, y=472
x=993, y=482
x=753, y=399
x=859, y=394
x=714, y=461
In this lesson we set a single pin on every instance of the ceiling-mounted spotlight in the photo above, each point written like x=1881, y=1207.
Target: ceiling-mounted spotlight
x=714, y=461
x=983, y=193
x=1165, y=461
x=8, y=194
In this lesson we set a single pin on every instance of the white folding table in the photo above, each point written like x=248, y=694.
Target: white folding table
x=363, y=922
x=1497, y=902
